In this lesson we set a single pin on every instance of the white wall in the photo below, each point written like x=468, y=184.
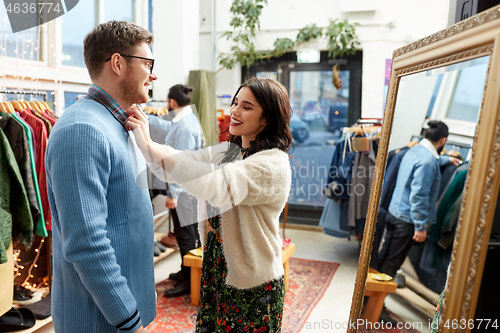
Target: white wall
x=384, y=26
x=176, y=30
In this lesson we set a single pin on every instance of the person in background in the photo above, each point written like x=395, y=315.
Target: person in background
x=413, y=204
x=184, y=133
x=103, y=278
x=249, y=179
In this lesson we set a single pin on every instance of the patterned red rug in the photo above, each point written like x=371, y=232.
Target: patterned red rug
x=308, y=281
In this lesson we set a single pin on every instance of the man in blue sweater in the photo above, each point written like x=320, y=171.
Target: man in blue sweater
x=102, y=219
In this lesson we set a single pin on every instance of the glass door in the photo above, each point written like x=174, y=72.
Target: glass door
x=319, y=112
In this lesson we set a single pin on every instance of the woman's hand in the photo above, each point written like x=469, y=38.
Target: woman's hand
x=152, y=151
x=139, y=124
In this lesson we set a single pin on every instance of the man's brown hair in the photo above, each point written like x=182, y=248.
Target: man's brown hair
x=109, y=38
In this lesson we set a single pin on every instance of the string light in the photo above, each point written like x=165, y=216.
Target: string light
x=18, y=269
x=33, y=265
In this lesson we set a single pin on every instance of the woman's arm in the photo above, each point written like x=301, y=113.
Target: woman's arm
x=256, y=180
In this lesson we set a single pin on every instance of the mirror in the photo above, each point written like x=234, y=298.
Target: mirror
x=443, y=77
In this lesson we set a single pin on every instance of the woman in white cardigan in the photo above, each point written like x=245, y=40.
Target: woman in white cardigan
x=245, y=184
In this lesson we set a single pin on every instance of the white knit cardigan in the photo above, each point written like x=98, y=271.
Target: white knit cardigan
x=251, y=194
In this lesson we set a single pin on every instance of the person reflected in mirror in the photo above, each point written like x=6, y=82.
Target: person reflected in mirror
x=249, y=177
x=413, y=205
x=184, y=134
x=103, y=229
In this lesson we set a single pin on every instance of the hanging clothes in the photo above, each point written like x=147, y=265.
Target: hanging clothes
x=449, y=230
x=49, y=117
x=41, y=138
x=334, y=213
x=340, y=174
x=362, y=178
x=37, y=114
x=390, y=177
x=16, y=222
x=31, y=134
x=40, y=229
x=334, y=216
x=18, y=141
x=446, y=206
x=431, y=258
x=447, y=175
x=448, y=179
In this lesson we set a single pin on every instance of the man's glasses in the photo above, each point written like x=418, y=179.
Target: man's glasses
x=130, y=56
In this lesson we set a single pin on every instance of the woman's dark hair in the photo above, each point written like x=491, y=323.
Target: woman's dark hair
x=276, y=110
x=180, y=93
x=436, y=131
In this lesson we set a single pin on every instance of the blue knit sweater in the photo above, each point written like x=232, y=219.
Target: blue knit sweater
x=103, y=277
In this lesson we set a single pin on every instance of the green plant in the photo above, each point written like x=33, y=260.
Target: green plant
x=246, y=21
x=282, y=46
x=342, y=38
x=309, y=32
x=341, y=35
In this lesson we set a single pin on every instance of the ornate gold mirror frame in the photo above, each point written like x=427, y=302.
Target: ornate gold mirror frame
x=475, y=37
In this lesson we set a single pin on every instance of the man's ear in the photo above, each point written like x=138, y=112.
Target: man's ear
x=117, y=64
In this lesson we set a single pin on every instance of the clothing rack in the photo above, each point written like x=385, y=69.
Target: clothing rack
x=25, y=92
x=49, y=237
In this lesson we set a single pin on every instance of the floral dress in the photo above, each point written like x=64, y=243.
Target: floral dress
x=224, y=308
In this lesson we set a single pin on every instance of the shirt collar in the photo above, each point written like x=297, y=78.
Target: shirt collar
x=429, y=146
x=184, y=112
x=97, y=94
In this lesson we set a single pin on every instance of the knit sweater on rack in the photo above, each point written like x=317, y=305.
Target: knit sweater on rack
x=251, y=194
x=103, y=233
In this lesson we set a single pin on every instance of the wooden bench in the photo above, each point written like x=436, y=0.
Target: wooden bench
x=377, y=291
x=195, y=263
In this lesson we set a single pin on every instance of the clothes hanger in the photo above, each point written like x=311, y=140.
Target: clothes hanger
x=6, y=106
x=46, y=106
x=24, y=104
x=43, y=106
x=35, y=106
x=17, y=106
x=4, y=109
x=11, y=107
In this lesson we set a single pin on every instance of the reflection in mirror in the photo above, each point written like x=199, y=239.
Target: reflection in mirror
x=436, y=112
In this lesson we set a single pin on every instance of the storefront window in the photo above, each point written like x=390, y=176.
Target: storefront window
x=118, y=10
x=76, y=25
x=23, y=45
x=70, y=98
x=319, y=113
